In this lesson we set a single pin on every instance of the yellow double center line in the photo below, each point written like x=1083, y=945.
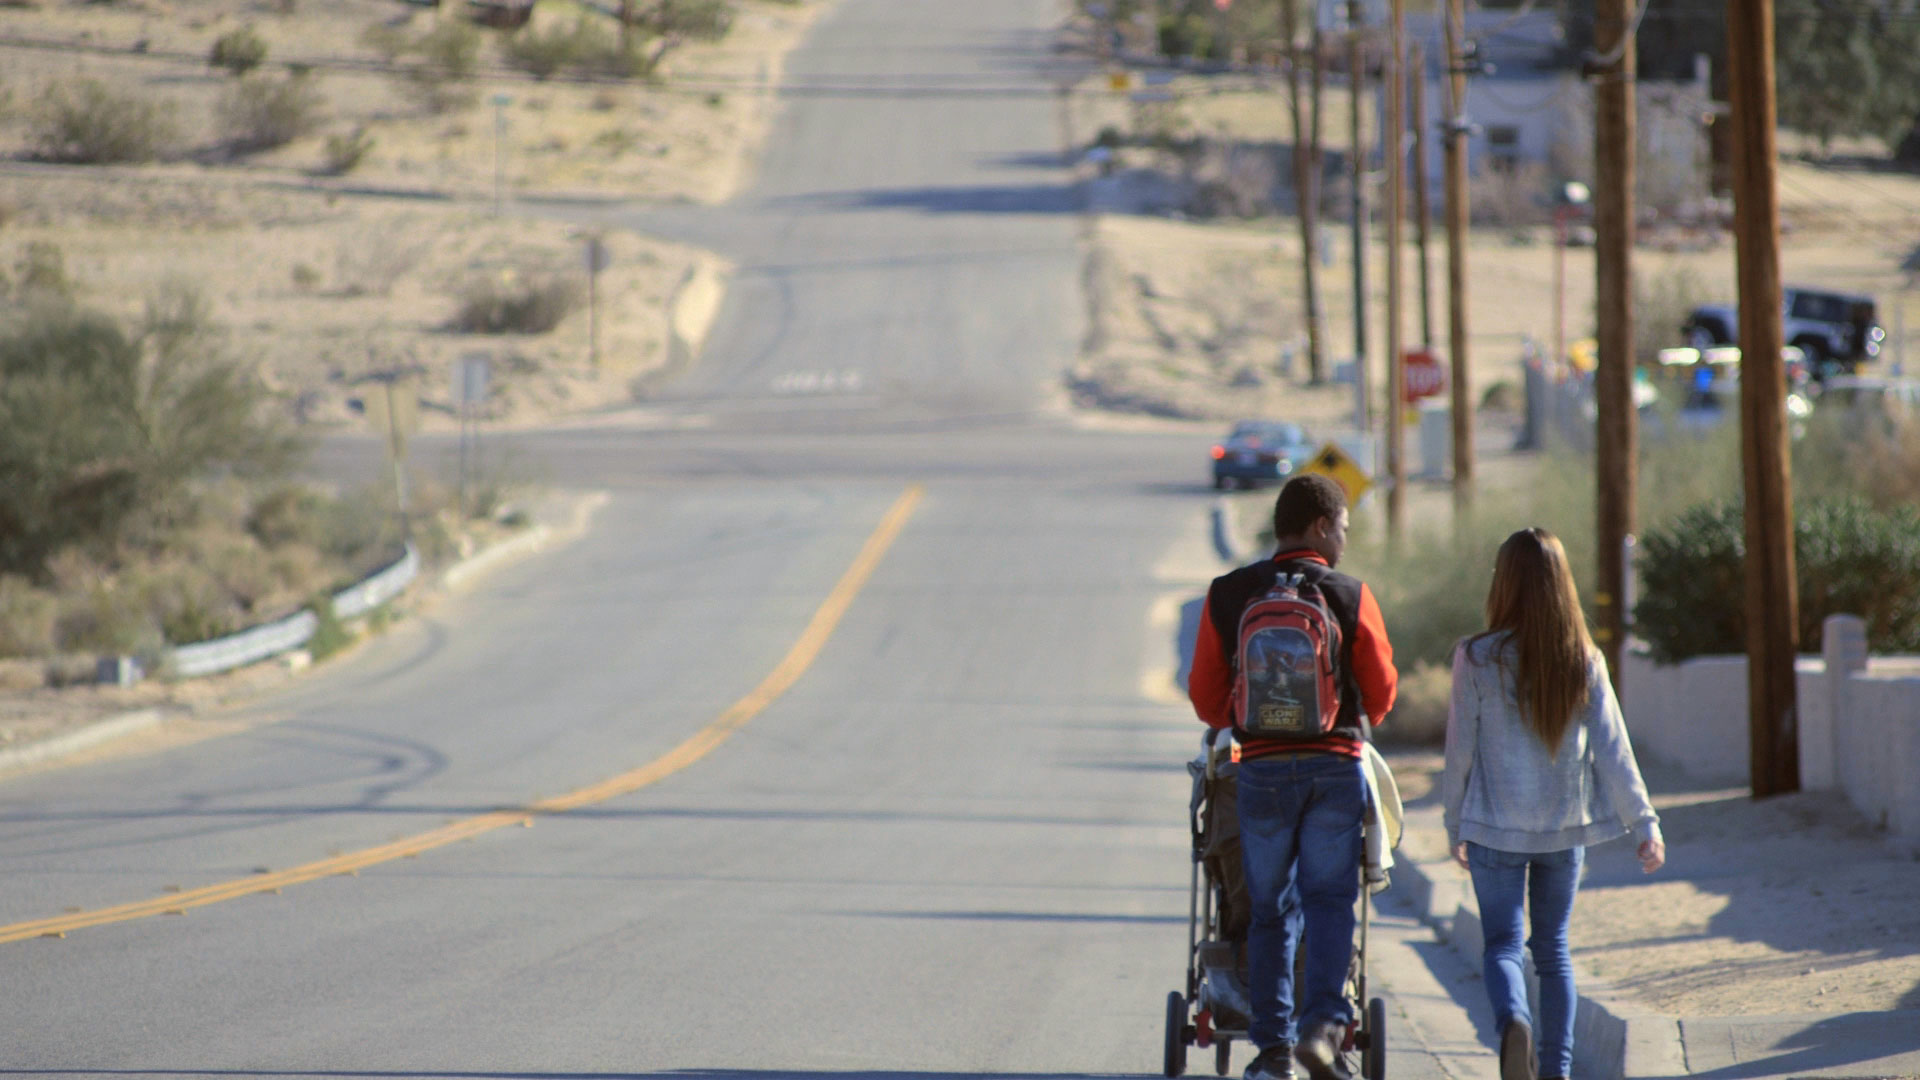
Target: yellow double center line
x=795, y=664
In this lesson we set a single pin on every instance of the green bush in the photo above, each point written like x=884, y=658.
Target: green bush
x=102, y=429
x=1849, y=559
x=451, y=49
x=261, y=113
x=87, y=122
x=516, y=304
x=238, y=51
x=344, y=153
x=545, y=53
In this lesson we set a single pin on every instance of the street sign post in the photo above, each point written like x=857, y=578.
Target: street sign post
x=1334, y=464
x=1424, y=376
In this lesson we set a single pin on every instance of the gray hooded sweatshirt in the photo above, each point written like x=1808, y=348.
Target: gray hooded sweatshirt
x=1504, y=791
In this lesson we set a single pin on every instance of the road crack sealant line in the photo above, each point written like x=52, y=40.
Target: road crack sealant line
x=805, y=650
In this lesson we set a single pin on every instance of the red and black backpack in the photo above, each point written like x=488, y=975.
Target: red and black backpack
x=1286, y=679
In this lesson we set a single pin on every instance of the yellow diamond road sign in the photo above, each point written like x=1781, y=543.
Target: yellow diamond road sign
x=1333, y=463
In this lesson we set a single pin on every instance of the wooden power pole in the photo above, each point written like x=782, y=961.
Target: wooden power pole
x=1457, y=220
x=1357, y=166
x=1773, y=602
x=1615, y=435
x=1393, y=143
x=1422, y=223
x=1306, y=186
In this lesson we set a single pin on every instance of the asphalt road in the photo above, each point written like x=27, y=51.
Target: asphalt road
x=866, y=656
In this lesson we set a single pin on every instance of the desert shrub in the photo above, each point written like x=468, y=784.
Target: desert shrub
x=388, y=41
x=261, y=113
x=1873, y=454
x=1661, y=303
x=100, y=427
x=40, y=274
x=545, y=53
x=88, y=122
x=516, y=303
x=451, y=48
x=345, y=152
x=238, y=51
x=305, y=277
x=331, y=635
x=27, y=617
x=1419, y=716
x=1850, y=559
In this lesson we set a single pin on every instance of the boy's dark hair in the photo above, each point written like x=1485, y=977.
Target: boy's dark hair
x=1304, y=500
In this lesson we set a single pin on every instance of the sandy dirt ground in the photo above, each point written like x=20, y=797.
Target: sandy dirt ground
x=1794, y=904
x=323, y=280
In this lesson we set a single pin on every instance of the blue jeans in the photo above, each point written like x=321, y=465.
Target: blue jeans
x=1502, y=880
x=1300, y=823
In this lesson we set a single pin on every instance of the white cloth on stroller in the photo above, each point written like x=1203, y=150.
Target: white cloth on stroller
x=1387, y=817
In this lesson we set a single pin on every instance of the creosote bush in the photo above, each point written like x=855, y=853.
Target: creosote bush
x=88, y=122
x=264, y=113
x=238, y=51
x=516, y=303
x=345, y=152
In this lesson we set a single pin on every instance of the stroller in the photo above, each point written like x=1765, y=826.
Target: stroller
x=1214, y=1010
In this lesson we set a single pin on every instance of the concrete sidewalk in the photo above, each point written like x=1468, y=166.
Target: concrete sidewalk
x=1617, y=1036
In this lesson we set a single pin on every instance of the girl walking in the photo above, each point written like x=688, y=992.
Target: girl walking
x=1538, y=768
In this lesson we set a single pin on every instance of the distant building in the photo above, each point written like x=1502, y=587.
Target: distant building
x=1532, y=110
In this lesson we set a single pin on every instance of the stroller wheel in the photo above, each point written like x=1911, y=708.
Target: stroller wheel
x=1222, y=1055
x=1373, y=1059
x=1176, y=1057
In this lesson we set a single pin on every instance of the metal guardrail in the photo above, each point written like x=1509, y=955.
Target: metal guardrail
x=357, y=600
x=271, y=639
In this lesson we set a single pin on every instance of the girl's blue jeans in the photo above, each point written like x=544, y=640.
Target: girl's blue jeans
x=1518, y=891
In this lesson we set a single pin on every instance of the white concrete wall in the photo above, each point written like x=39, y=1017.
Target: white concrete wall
x=1694, y=714
x=1859, y=731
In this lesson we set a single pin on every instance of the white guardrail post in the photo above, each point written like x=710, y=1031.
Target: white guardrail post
x=257, y=643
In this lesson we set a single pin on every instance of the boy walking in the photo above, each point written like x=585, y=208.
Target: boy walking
x=1302, y=794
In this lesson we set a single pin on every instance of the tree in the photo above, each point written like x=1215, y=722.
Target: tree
x=101, y=429
x=1848, y=67
x=1843, y=67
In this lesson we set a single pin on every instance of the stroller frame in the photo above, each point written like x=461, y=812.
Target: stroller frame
x=1212, y=958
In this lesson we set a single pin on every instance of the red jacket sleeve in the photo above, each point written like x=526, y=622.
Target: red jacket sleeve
x=1373, y=668
x=1209, y=682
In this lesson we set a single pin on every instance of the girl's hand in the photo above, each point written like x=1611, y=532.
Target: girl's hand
x=1460, y=855
x=1653, y=855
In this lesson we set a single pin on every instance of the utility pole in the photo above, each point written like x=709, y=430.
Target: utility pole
x=1306, y=186
x=1773, y=602
x=1393, y=143
x=1615, y=435
x=1422, y=224
x=1457, y=220
x=1357, y=168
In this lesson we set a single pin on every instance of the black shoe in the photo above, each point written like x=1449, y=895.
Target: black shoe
x=1319, y=1051
x=1273, y=1063
x=1516, y=1051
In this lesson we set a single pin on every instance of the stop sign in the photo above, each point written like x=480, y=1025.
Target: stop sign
x=1423, y=374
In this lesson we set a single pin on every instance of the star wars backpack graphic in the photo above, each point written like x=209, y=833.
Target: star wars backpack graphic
x=1286, y=684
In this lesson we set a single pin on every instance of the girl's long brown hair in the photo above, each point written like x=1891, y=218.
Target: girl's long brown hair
x=1533, y=598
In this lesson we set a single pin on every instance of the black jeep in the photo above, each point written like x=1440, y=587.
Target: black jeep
x=1836, y=331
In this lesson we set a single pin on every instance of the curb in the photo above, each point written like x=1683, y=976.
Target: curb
x=83, y=738
x=1613, y=1038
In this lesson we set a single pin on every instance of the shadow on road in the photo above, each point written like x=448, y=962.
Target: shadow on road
x=511, y=1075
x=977, y=199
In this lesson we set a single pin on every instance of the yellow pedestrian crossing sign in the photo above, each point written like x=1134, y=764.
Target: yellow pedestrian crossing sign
x=1333, y=463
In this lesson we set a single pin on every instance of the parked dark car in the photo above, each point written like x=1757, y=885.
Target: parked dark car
x=1258, y=451
x=1836, y=331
